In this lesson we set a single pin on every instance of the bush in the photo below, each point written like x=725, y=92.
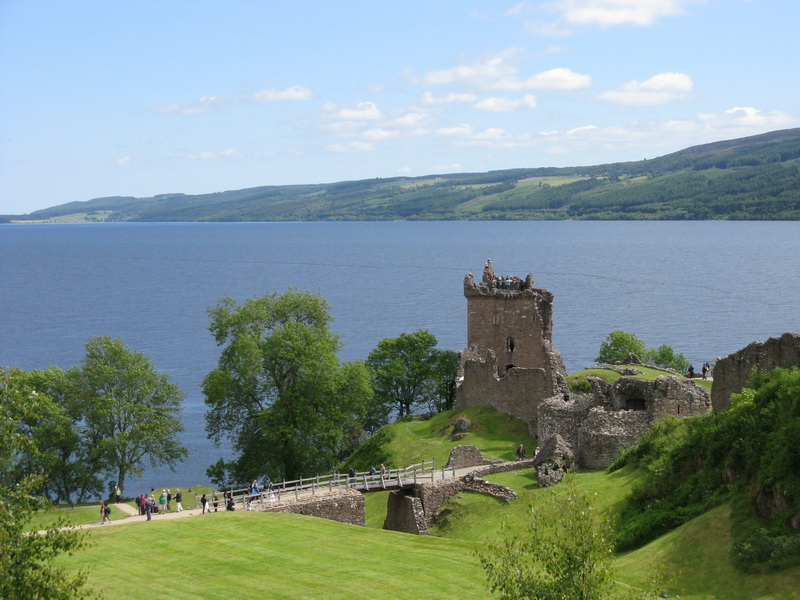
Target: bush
x=764, y=551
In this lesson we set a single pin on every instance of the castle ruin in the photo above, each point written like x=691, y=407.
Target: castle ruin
x=510, y=364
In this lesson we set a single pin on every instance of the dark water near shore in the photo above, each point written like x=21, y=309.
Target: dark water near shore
x=705, y=288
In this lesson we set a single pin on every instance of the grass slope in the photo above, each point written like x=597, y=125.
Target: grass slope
x=251, y=555
x=243, y=555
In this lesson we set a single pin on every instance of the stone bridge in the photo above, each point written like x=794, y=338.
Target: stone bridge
x=414, y=502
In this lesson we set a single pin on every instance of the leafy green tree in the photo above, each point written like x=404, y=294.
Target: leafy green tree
x=408, y=371
x=279, y=394
x=664, y=356
x=131, y=411
x=445, y=373
x=27, y=569
x=60, y=448
x=618, y=345
x=564, y=552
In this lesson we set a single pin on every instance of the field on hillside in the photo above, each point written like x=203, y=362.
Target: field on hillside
x=259, y=555
x=248, y=554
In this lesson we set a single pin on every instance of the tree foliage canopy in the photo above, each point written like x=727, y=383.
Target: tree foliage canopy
x=27, y=562
x=409, y=371
x=618, y=345
x=279, y=394
x=131, y=411
x=564, y=551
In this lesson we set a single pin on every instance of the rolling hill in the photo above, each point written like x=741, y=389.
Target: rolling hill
x=752, y=178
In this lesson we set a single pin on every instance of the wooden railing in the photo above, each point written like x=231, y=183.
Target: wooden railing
x=364, y=481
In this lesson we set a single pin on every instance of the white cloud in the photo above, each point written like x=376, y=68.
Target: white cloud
x=363, y=111
x=353, y=146
x=480, y=73
x=618, y=12
x=458, y=131
x=661, y=89
x=431, y=99
x=295, y=93
x=379, y=134
x=552, y=80
x=123, y=161
x=743, y=119
x=501, y=72
x=582, y=129
x=499, y=104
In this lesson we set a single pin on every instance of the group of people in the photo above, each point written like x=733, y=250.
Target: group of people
x=705, y=370
x=148, y=505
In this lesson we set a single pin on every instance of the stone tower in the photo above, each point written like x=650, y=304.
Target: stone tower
x=510, y=362
x=510, y=317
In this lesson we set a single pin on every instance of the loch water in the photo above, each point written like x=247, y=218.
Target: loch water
x=705, y=288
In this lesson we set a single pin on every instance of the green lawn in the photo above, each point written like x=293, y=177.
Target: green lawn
x=496, y=435
x=80, y=515
x=246, y=555
x=250, y=555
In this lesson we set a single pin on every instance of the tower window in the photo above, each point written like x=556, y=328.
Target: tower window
x=510, y=344
x=497, y=317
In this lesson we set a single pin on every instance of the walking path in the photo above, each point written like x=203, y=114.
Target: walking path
x=133, y=516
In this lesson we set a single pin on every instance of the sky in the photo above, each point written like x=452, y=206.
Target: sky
x=139, y=98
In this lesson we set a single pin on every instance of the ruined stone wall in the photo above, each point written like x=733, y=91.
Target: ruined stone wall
x=599, y=426
x=563, y=418
x=731, y=372
x=666, y=396
x=434, y=495
x=404, y=512
x=464, y=456
x=517, y=394
x=604, y=434
x=343, y=505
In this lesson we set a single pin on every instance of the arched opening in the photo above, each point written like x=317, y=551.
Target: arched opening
x=510, y=344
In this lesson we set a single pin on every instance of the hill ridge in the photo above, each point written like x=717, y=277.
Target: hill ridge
x=753, y=178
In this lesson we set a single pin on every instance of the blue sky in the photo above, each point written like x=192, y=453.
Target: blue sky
x=137, y=98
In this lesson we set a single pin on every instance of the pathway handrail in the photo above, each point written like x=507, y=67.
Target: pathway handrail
x=363, y=480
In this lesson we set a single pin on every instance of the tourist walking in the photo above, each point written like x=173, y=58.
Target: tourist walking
x=178, y=500
x=105, y=511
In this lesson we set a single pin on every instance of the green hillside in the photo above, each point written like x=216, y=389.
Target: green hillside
x=245, y=554
x=756, y=177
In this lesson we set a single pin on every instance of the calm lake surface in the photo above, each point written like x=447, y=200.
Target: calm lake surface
x=705, y=288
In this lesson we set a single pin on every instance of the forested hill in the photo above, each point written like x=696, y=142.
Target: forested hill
x=756, y=177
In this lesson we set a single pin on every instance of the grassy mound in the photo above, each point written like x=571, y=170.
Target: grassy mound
x=578, y=381
x=407, y=442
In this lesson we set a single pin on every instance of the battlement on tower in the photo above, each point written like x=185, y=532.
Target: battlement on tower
x=494, y=285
